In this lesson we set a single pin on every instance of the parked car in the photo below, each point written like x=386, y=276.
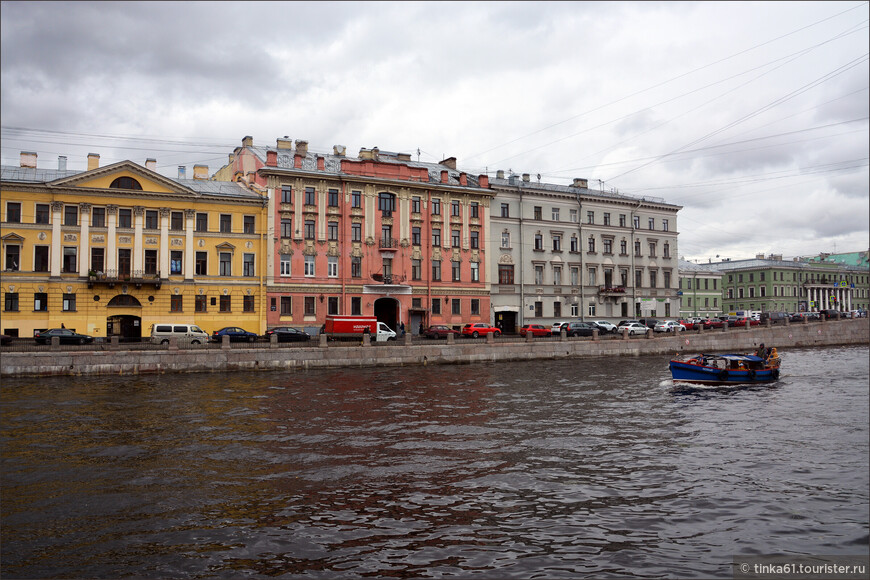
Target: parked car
x=623, y=323
x=439, y=331
x=713, y=323
x=235, y=333
x=578, y=329
x=668, y=326
x=535, y=330
x=65, y=335
x=649, y=322
x=603, y=326
x=189, y=334
x=475, y=329
x=556, y=329
x=286, y=334
x=5, y=339
x=633, y=328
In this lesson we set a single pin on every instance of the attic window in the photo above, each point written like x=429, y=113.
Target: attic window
x=125, y=183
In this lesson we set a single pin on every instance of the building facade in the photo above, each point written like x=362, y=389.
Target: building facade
x=111, y=250
x=378, y=234
x=571, y=252
x=700, y=291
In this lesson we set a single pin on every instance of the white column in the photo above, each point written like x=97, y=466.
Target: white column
x=164, y=242
x=138, y=246
x=84, y=258
x=111, y=240
x=56, y=237
x=189, y=253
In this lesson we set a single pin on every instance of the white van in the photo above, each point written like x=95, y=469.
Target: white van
x=184, y=333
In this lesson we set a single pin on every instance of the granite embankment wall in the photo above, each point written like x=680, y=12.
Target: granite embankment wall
x=422, y=352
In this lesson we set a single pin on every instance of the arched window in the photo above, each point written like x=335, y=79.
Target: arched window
x=126, y=183
x=124, y=300
x=386, y=203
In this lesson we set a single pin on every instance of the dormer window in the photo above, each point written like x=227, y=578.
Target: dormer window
x=126, y=183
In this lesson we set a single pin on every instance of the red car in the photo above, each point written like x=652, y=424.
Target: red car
x=439, y=331
x=475, y=329
x=535, y=329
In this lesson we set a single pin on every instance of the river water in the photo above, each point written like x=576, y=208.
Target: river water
x=547, y=469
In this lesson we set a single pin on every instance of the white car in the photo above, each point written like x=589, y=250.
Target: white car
x=634, y=328
x=604, y=325
x=556, y=329
x=668, y=326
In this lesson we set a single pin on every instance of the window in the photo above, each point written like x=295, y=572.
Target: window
x=226, y=223
x=456, y=306
x=10, y=302
x=474, y=240
x=536, y=212
x=505, y=210
x=415, y=205
x=356, y=267
x=309, y=229
x=436, y=236
x=575, y=276
x=309, y=266
x=539, y=275
x=454, y=238
x=606, y=218
x=590, y=217
x=200, y=303
x=40, y=302
x=666, y=250
x=636, y=222
x=474, y=210
x=505, y=239
x=652, y=223
x=456, y=268
x=436, y=306
x=286, y=228
x=638, y=278
x=415, y=236
x=386, y=203
x=539, y=242
x=176, y=303
x=592, y=310
x=355, y=306
x=286, y=306
x=40, y=259
x=309, y=306
x=98, y=217
x=416, y=269
x=557, y=309
x=608, y=246
x=248, y=224
x=332, y=266
x=248, y=265
x=637, y=248
x=226, y=263
x=575, y=244
x=43, y=213
x=557, y=243
x=387, y=268
x=436, y=206
x=310, y=196
x=13, y=258
x=356, y=232
x=436, y=270
x=247, y=304
x=557, y=275
x=332, y=231
x=386, y=236
x=125, y=218
x=125, y=183
x=355, y=199
x=653, y=279
x=475, y=306
x=332, y=198
x=575, y=310
x=667, y=279
x=151, y=219
x=69, y=303
x=539, y=309
x=286, y=194
x=573, y=215
x=622, y=220
x=125, y=262
x=591, y=244
x=71, y=215
x=225, y=303
x=175, y=257
x=652, y=249
x=151, y=262
x=505, y=274
x=555, y=214
x=332, y=305
x=454, y=208
x=176, y=221
x=664, y=225
x=69, y=259
x=592, y=273
x=285, y=265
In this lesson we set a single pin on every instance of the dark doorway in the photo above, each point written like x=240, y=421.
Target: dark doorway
x=387, y=311
x=127, y=328
x=506, y=321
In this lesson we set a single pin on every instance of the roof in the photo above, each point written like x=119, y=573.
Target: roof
x=762, y=264
x=514, y=182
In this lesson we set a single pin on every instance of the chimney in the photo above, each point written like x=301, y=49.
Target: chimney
x=151, y=164
x=301, y=148
x=271, y=158
x=28, y=159
x=285, y=143
x=759, y=256
x=375, y=152
x=365, y=154
x=247, y=141
x=182, y=172
x=297, y=161
x=449, y=162
x=499, y=174
x=580, y=182
x=463, y=179
x=444, y=176
x=200, y=172
x=483, y=180
x=526, y=177
x=339, y=150
x=404, y=156
x=321, y=163
x=231, y=158
x=93, y=161
x=61, y=162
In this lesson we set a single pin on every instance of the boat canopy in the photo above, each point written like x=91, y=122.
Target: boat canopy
x=737, y=357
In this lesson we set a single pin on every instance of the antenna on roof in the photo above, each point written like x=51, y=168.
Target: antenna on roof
x=418, y=155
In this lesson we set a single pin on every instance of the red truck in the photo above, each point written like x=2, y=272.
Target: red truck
x=356, y=326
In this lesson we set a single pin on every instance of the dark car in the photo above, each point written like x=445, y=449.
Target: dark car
x=578, y=329
x=286, y=334
x=235, y=333
x=439, y=331
x=5, y=339
x=649, y=322
x=65, y=336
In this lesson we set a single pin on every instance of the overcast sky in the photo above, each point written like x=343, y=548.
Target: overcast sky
x=752, y=116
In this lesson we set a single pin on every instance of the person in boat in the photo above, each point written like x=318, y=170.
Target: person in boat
x=762, y=352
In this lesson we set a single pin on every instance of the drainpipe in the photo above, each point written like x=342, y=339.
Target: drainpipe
x=633, y=273
x=345, y=267
x=580, y=249
x=521, y=321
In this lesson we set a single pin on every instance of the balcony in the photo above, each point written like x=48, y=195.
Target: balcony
x=111, y=277
x=388, y=244
x=611, y=290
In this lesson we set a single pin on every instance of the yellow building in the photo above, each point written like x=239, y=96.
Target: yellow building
x=112, y=250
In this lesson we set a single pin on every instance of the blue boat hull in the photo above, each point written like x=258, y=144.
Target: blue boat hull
x=694, y=373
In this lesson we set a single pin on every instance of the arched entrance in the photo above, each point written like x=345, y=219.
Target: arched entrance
x=127, y=326
x=387, y=311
